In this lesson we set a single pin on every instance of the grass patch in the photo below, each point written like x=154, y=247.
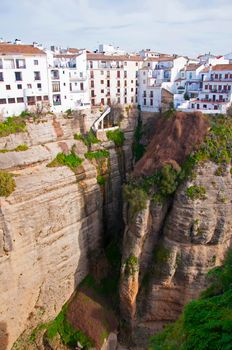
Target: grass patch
x=136, y=198
x=131, y=265
x=19, y=148
x=71, y=160
x=68, y=334
x=97, y=154
x=117, y=136
x=101, y=180
x=196, y=192
x=7, y=184
x=12, y=125
x=88, y=139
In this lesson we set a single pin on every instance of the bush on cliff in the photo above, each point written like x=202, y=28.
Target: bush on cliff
x=71, y=160
x=117, y=136
x=12, y=125
x=88, y=139
x=7, y=184
x=136, y=198
x=206, y=323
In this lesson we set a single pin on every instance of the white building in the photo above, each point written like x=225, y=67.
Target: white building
x=113, y=78
x=110, y=50
x=158, y=74
x=68, y=79
x=23, y=78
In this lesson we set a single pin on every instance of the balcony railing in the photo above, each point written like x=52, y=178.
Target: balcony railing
x=56, y=103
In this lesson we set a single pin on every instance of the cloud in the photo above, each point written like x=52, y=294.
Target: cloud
x=182, y=26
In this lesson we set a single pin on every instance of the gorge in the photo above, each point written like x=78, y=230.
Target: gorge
x=126, y=260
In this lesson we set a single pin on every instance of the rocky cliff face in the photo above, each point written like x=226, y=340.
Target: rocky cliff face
x=51, y=226
x=168, y=248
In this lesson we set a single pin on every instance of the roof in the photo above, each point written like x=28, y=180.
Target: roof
x=192, y=67
x=73, y=50
x=205, y=70
x=221, y=67
x=12, y=49
x=102, y=57
x=161, y=59
x=65, y=55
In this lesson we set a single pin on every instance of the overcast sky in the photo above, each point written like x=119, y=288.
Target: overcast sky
x=181, y=26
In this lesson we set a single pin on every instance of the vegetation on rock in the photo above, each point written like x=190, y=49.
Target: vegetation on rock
x=206, y=323
x=12, y=125
x=97, y=154
x=88, y=139
x=71, y=160
x=131, y=265
x=196, y=192
x=117, y=136
x=136, y=197
x=138, y=147
x=7, y=184
x=19, y=148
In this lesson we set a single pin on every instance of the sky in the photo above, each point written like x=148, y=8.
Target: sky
x=187, y=27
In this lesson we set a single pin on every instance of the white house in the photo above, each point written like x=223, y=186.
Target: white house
x=158, y=74
x=23, y=78
x=113, y=78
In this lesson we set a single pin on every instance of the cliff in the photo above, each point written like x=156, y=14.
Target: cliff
x=180, y=226
x=51, y=226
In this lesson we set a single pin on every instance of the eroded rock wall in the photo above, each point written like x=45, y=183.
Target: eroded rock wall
x=51, y=226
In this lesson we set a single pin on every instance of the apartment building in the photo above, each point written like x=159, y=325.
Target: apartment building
x=216, y=92
x=156, y=79
x=23, y=78
x=68, y=80
x=113, y=78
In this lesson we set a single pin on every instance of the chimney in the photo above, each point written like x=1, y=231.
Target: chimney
x=18, y=42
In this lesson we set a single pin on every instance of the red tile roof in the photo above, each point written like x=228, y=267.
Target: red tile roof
x=192, y=67
x=12, y=49
x=222, y=67
x=102, y=57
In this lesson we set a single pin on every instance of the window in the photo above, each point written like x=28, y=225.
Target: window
x=29, y=86
x=20, y=63
x=54, y=74
x=132, y=81
x=118, y=100
x=8, y=87
x=108, y=83
x=144, y=94
x=56, y=100
x=118, y=83
x=205, y=106
x=93, y=102
x=37, y=76
x=102, y=101
x=151, y=102
x=151, y=94
x=82, y=86
x=39, y=98
x=92, y=75
x=39, y=86
x=1, y=66
x=91, y=64
x=11, y=100
x=118, y=74
x=1, y=76
x=132, y=89
x=55, y=86
x=36, y=62
x=132, y=99
x=9, y=64
x=125, y=74
x=64, y=84
x=2, y=101
x=19, y=87
x=102, y=81
x=18, y=76
x=92, y=93
x=20, y=100
x=45, y=98
x=125, y=83
x=118, y=91
x=125, y=100
x=31, y=100
x=92, y=84
x=144, y=102
x=102, y=91
x=206, y=87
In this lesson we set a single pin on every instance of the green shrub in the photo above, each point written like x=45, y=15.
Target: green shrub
x=131, y=265
x=68, y=334
x=117, y=136
x=206, y=323
x=97, y=154
x=101, y=180
x=19, y=148
x=69, y=112
x=136, y=198
x=7, y=184
x=12, y=125
x=88, y=139
x=71, y=160
x=138, y=147
x=196, y=192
